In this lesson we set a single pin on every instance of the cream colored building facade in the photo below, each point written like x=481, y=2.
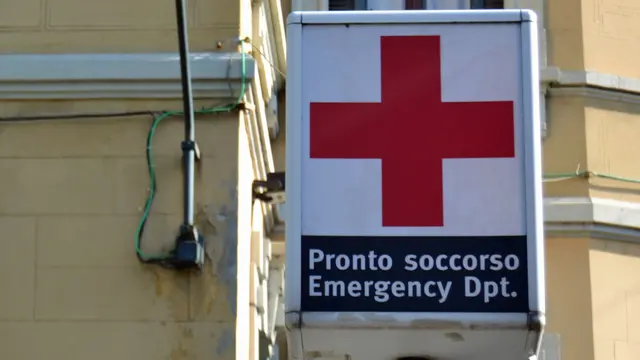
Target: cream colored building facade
x=73, y=190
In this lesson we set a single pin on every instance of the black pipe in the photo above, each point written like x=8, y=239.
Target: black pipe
x=188, y=145
x=189, y=250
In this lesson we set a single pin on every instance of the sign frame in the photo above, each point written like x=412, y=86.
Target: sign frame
x=534, y=320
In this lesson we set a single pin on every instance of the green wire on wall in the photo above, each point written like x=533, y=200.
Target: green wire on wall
x=587, y=174
x=151, y=166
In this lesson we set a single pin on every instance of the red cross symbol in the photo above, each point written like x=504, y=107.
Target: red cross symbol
x=411, y=130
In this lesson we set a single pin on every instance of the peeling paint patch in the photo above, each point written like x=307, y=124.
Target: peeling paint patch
x=179, y=354
x=206, y=225
x=227, y=265
x=454, y=336
x=185, y=344
x=218, y=281
x=173, y=288
x=226, y=341
x=205, y=291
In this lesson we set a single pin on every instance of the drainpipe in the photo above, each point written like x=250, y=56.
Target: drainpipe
x=189, y=252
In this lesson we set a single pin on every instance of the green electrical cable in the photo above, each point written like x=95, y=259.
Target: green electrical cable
x=617, y=178
x=579, y=174
x=151, y=166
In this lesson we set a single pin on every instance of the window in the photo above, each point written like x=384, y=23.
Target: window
x=415, y=4
x=453, y=4
x=340, y=5
x=487, y=4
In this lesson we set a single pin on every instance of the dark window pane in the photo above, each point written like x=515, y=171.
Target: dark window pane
x=414, y=4
x=487, y=4
x=347, y=5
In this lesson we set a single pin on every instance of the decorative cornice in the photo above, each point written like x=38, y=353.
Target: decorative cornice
x=590, y=84
x=592, y=210
x=595, y=93
x=590, y=78
x=124, y=76
x=592, y=217
x=594, y=231
x=575, y=217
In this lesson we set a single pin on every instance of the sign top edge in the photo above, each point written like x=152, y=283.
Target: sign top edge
x=379, y=17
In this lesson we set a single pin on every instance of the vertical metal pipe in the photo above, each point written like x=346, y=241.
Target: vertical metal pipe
x=188, y=145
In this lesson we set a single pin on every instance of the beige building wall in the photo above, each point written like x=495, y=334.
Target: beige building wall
x=616, y=299
x=611, y=30
x=563, y=22
x=65, y=26
x=612, y=134
x=565, y=148
x=70, y=202
x=568, y=297
x=72, y=192
x=593, y=256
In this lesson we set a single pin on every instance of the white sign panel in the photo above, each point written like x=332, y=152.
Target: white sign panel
x=413, y=165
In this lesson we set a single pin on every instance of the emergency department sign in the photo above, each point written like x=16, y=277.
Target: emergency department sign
x=413, y=169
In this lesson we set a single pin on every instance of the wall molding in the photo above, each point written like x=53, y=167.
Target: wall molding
x=592, y=217
x=590, y=84
x=570, y=217
x=555, y=75
x=124, y=76
x=598, y=210
x=595, y=93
